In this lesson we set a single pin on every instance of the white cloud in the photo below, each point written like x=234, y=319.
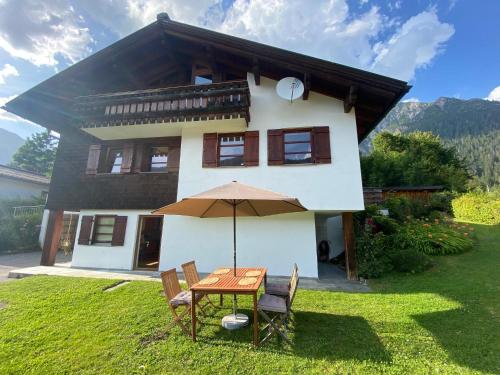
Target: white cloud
x=41, y=31
x=7, y=71
x=126, y=16
x=494, y=94
x=329, y=30
x=411, y=100
x=413, y=46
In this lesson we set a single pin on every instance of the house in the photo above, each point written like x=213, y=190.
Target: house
x=18, y=183
x=173, y=110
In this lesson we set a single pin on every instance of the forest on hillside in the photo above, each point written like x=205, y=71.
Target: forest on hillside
x=471, y=126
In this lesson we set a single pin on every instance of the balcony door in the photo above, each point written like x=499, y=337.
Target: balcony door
x=147, y=254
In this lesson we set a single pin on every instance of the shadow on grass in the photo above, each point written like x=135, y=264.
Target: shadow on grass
x=334, y=337
x=469, y=342
x=314, y=335
x=470, y=335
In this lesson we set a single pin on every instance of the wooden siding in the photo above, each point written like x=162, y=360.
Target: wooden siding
x=72, y=189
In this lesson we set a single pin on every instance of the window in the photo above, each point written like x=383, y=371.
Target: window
x=114, y=160
x=297, y=147
x=203, y=80
x=103, y=229
x=158, y=161
x=231, y=150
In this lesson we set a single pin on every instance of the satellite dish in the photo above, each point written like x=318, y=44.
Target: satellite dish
x=290, y=88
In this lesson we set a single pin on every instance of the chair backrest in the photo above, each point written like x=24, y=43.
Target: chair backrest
x=171, y=284
x=294, y=282
x=190, y=273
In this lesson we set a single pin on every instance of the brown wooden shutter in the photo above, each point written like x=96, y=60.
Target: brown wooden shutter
x=321, y=145
x=93, y=159
x=128, y=157
x=209, y=150
x=85, y=230
x=142, y=158
x=275, y=147
x=119, y=231
x=251, y=154
x=174, y=155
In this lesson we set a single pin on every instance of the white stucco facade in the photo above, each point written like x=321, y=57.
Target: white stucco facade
x=275, y=242
x=105, y=256
x=330, y=187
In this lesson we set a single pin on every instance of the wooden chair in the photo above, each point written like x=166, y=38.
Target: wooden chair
x=176, y=297
x=192, y=277
x=282, y=289
x=276, y=310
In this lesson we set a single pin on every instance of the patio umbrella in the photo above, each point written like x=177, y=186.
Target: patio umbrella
x=232, y=200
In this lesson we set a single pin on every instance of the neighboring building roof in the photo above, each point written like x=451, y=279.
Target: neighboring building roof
x=133, y=62
x=21, y=174
x=406, y=188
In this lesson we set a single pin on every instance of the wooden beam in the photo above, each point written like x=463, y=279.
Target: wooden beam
x=52, y=237
x=256, y=71
x=307, y=86
x=350, y=99
x=349, y=246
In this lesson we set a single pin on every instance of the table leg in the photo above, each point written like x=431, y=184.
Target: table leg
x=193, y=315
x=255, y=321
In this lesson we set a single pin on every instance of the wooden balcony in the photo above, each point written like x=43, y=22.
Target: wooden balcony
x=217, y=101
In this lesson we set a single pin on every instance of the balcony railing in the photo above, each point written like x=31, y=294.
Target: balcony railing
x=218, y=101
x=27, y=210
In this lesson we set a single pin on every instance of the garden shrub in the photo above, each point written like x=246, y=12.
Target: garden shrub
x=21, y=232
x=372, y=254
x=385, y=224
x=478, y=207
x=441, y=202
x=410, y=260
x=403, y=208
x=436, y=238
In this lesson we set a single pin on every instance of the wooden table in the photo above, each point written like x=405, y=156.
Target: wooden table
x=228, y=284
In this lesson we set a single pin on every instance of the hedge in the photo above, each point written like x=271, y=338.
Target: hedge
x=478, y=207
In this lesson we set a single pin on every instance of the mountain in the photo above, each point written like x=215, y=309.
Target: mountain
x=471, y=126
x=9, y=143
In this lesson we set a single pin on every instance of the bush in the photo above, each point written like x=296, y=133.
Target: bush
x=385, y=224
x=478, y=207
x=441, y=202
x=410, y=260
x=403, y=208
x=373, y=255
x=18, y=233
x=436, y=238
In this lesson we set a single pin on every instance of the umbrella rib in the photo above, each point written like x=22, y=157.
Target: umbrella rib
x=295, y=205
x=209, y=207
x=253, y=208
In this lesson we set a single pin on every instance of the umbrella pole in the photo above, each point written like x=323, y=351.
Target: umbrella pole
x=234, y=253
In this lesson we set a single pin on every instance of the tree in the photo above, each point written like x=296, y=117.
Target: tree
x=417, y=158
x=37, y=154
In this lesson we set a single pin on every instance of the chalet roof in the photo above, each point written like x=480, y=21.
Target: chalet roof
x=24, y=175
x=405, y=188
x=149, y=56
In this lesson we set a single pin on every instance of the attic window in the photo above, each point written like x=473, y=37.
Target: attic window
x=203, y=80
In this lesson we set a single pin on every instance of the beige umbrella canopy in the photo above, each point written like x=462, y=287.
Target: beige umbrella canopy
x=233, y=199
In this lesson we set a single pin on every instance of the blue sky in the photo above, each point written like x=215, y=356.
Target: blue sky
x=443, y=48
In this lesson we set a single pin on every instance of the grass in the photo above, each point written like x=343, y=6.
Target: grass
x=445, y=320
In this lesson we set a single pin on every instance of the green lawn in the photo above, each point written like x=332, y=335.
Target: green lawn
x=443, y=321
